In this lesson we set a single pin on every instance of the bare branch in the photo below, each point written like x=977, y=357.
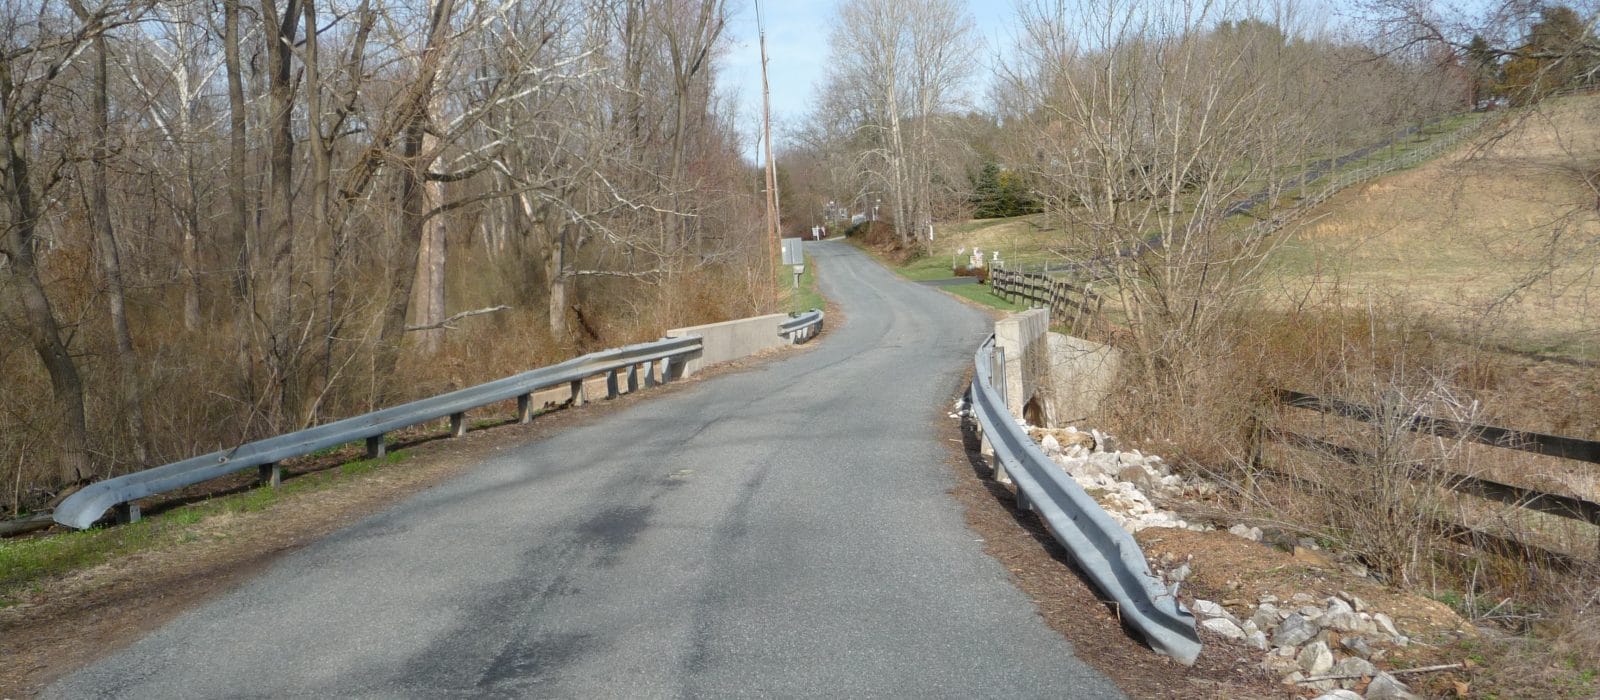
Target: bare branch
x=448, y=323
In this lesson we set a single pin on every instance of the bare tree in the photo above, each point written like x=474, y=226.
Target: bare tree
x=33, y=56
x=897, y=66
x=1147, y=124
x=105, y=236
x=339, y=149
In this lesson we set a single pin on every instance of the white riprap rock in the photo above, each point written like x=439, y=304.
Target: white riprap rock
x=1294, y=631
x=1386, y=625
x=1206, y=608
x=1316, y=659
x=1224, y=627
x=1353, y=666
x=1385, y=687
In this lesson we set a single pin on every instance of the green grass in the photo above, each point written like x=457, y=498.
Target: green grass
x=25, y=563
x=932, y=267
x=806, y=297
x=980, y=293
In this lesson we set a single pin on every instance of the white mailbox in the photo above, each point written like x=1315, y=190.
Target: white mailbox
x=791, y=252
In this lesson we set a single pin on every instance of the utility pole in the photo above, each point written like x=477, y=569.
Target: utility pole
x=772, y=171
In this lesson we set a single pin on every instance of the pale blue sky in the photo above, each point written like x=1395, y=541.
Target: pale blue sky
x=797, y=50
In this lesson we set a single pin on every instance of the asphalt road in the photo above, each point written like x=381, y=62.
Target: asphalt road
x=778, y=532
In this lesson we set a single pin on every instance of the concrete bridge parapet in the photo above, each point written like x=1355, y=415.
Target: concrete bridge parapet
x=1052, y=379
x=1023, y=338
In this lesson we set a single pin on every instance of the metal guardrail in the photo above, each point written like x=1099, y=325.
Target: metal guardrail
x=1103, y=550
x=802, y=327
x=87, y=506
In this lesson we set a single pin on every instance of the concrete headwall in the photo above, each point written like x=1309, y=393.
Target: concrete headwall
x=1022, y=336
x=1082, y=375
x=731, y=340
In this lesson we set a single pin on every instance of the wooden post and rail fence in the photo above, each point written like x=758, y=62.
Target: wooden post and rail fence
x=1564, y=506
x=1077, y=304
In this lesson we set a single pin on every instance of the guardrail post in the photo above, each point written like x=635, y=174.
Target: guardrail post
x=376, y=449
x=997, y=374
x=458, y=424
x=612, y=390
x=269, y=474
x=1023, y=504
x=650, y=374
x=126, y=513
x=525, y=408
x=633, y=378
x=577, y=392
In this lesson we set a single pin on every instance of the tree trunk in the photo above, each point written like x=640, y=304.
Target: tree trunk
x=313, y=379
x=430, y=297
x=555, y=274
x=280, y=235
x=414, y=209
x=238, y=204
x=42, y=330
x=191, y=250
x=106, y=242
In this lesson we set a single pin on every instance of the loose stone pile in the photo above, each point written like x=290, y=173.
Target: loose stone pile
x=1330, y=646
x=1122, y=482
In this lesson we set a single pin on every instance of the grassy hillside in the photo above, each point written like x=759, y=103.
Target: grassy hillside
x=1499, y=241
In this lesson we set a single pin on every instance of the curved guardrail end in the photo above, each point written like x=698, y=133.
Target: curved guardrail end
x=1183, y=651
x=86, y=506
x=801, y=326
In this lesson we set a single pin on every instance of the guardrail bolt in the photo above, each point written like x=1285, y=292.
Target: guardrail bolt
x=269, y=474
x=375, y=447
x=458, y=424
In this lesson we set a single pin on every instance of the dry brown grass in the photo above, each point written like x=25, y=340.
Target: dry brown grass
x=200, y=393
x=1502, y=238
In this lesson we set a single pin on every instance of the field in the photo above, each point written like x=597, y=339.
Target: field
x=1499, y=242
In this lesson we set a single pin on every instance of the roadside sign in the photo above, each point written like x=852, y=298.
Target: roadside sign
x=791, y=252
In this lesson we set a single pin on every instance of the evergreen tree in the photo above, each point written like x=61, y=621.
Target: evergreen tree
x=986, y=196
x=1485, y=64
